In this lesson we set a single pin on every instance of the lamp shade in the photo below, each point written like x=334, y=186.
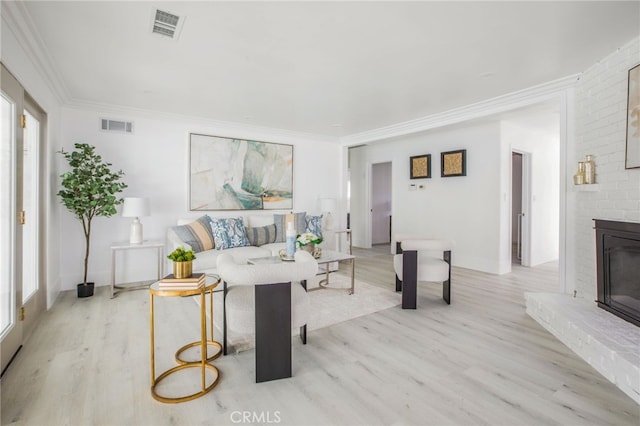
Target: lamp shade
x=136, y=207
x=327, y=204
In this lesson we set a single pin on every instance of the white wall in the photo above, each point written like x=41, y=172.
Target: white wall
x=155, y=160
x=542, y=146
x=601, y=102
x=466, y=209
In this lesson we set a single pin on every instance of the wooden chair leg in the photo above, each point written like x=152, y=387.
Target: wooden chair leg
x=446, y=286
x=398, y=284
x=446, y=291
x=303, y=334
x=303, y=329
x=410, y=279
x=398, y=280
x=273, y=331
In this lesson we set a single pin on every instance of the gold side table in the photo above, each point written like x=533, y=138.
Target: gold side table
x=203, y=362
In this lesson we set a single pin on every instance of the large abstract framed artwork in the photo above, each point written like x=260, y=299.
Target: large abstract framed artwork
x=238, y=174
x=632, y=157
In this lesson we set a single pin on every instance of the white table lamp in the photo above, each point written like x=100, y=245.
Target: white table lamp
x=328, y=205
x=136, y=207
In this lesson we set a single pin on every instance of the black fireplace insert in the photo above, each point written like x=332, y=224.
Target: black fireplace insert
x=618, y=268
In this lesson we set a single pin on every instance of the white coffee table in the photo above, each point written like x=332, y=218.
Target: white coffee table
x=328, y=257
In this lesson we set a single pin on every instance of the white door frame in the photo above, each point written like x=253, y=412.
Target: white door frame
x=12, y=338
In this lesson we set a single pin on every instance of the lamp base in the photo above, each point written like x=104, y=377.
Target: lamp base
x=135, y=234
x=328, y=221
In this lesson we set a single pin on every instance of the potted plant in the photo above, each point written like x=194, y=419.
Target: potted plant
x=182, y=262
x=89, y=189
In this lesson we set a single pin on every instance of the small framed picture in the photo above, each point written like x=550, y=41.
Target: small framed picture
x=453, y=163
x=420, y=166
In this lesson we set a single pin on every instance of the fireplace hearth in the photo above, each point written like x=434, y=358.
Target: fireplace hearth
x=618, y=268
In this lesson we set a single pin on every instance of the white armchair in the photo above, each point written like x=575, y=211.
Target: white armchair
x=421, y=259
x=268, y=300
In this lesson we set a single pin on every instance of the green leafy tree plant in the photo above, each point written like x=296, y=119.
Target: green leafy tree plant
x=89, y=189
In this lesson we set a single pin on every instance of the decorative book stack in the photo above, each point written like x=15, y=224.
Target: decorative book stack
x=172, y=283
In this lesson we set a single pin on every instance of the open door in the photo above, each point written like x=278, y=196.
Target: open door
x=22, y=293
x=516, y=208
x=381, y=203
x=520, y=208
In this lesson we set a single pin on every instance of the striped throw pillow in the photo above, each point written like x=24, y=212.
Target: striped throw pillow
x=262, y=235
x=197, y=234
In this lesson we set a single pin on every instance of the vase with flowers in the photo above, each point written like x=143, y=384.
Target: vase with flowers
x=308, y=241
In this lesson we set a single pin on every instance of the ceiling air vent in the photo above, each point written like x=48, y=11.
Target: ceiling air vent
x=166, y=24
x=116, y=126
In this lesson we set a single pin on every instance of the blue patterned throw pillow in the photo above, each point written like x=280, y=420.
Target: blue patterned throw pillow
x=314, y=225
x=228, y=233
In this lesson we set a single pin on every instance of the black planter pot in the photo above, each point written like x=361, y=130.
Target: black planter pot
x=85, y=290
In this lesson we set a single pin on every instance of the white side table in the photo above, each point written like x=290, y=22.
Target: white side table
x=338, y=240
x=115, y=247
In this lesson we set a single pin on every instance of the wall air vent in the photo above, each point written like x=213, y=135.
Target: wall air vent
x=166, y=24
x=116, y=126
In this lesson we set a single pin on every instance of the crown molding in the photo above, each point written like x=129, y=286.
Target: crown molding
x=16, y=17
x=510, y=101
x=225, y=128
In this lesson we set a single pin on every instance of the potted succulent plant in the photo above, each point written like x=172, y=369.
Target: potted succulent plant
x=182, y=262
x=89, y=189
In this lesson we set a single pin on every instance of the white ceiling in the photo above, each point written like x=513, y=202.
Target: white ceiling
x=328, y=68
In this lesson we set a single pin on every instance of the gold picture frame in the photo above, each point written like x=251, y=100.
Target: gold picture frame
x=420, y=166
x=453, y=163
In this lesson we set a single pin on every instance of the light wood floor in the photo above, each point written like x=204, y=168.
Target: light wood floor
x=479, y=361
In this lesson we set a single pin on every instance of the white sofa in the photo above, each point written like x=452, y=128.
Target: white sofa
x=206, y=261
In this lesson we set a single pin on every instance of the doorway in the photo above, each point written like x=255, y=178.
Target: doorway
x=381, y=203
x=22, y=295
x=516, y=208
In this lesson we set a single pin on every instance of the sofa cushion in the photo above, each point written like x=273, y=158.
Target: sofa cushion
x=196, y=234
x=314, y=225
x=262, y=235
x=299, y=224
x=229, y=232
